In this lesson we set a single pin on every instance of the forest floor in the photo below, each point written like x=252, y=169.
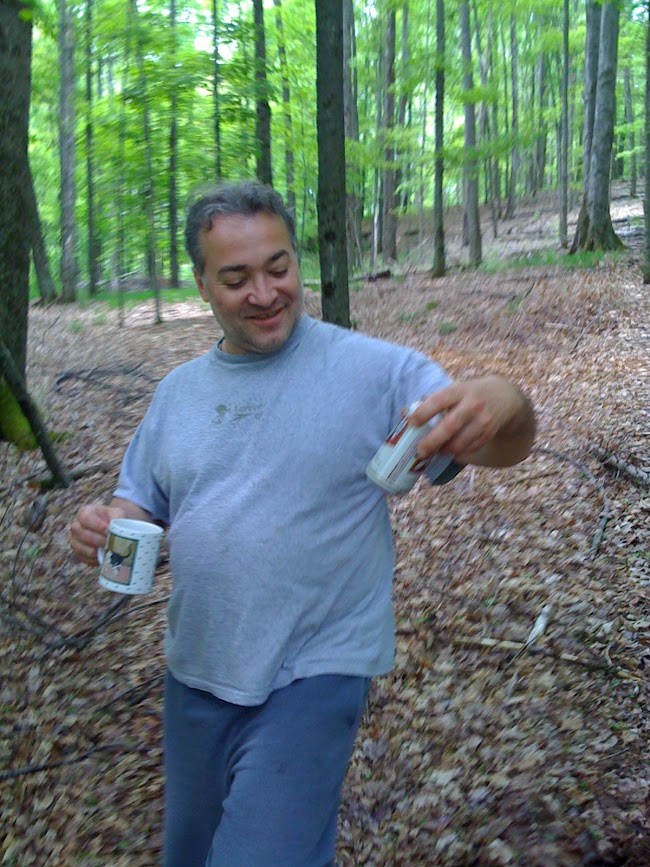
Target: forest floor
x=470, y=752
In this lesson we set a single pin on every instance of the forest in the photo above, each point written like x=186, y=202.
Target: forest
x=468, y=179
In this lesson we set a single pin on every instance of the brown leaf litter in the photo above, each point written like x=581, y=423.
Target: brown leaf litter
x=470, y=753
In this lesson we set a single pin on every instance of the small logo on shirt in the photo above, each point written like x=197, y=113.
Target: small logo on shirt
x=241, y=412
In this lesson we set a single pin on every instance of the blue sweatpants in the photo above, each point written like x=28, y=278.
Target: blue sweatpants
x=258, y=786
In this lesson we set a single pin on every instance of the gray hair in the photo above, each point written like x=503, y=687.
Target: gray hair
x=244, y=198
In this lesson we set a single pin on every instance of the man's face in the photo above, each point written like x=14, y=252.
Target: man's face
x=251, y=280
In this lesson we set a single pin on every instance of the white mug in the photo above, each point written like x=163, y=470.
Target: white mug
x=129, y=558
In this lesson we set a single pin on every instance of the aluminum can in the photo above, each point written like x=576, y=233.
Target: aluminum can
x=396, y=467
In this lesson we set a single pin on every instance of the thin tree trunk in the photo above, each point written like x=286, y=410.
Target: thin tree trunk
x=484, y=118
x=263, y=111
x=514, y=159
x=354, y=186
x=149, y=203
x=629, y=120
x=16, y=382
x=564, y=136
x=471, y=209
x=218, y=170
x=423, y=124
x=173, y=159
x=592, y=40
x=401, y=178
x=94, y=247
x=286, y=110
x=389, y=233
x=46, y=288
x=439, y=265
x=646, y=195
x=118, y=259
x=67, y=154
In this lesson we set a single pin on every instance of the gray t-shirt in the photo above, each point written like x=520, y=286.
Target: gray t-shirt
x=280, y=547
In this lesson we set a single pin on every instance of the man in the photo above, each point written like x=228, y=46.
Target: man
x=254, y=457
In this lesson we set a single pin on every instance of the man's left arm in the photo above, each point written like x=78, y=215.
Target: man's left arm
x=486, y=421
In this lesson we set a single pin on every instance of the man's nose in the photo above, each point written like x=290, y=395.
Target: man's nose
x=263, y=292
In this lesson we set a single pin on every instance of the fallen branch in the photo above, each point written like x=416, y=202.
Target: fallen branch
x=611, y=460
x=44, y=483
x=17, y=386
x=606, y=510
x=80, y=757
x=520, y=646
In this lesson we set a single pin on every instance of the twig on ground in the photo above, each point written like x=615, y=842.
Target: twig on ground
x=606, y=510
x=609, y=459
x=72, y=760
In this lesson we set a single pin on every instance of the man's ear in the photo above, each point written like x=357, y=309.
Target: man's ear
x=199, y=282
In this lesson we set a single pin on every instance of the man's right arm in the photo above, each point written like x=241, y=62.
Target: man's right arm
x=89, y=528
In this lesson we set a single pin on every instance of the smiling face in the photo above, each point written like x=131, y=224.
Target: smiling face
x=251, y=280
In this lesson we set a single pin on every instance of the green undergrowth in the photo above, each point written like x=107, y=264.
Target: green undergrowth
x=546, y=258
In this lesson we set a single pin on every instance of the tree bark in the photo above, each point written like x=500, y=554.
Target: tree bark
x=15, y=181
x=514, y=157
x=592, y=40
x=646, y=195
x=331, y=163
x=389, y=225
x=600, y=234
x=16, y=383
x=46, y=287
x=218, y=171
x=470, y=168
x=149, y=201
x=173, y=158
x=286, y=110
x=263, y=110
x=439, y=265
x=67, y=154
x=629, y=120
x=354, y=183
x=564, y=134
x=94, y=247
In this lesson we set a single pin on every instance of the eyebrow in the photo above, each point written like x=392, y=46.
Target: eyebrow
x=230, y=269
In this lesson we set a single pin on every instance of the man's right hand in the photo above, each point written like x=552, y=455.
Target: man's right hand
x=88, y=530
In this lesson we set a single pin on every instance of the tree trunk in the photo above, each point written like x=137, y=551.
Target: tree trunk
x=149, y=203
x=263, y=112
x=15, y=380
x=629, y=120
x=354, y=184
x=564, y=134
x=402, y=179
x=484, y=118
x=514, y=158
x=173, y=158
x=94, y=248
x=600, y=232
x=424, y=117
x=439, y=264
x=67, y=154
x=46, y=287
x=646, y=195
x=15, y=181
x=470, y=168
x=592, y=40
x=286, y=110
x=331, y=163
x=218, y=171
x=389, y=233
